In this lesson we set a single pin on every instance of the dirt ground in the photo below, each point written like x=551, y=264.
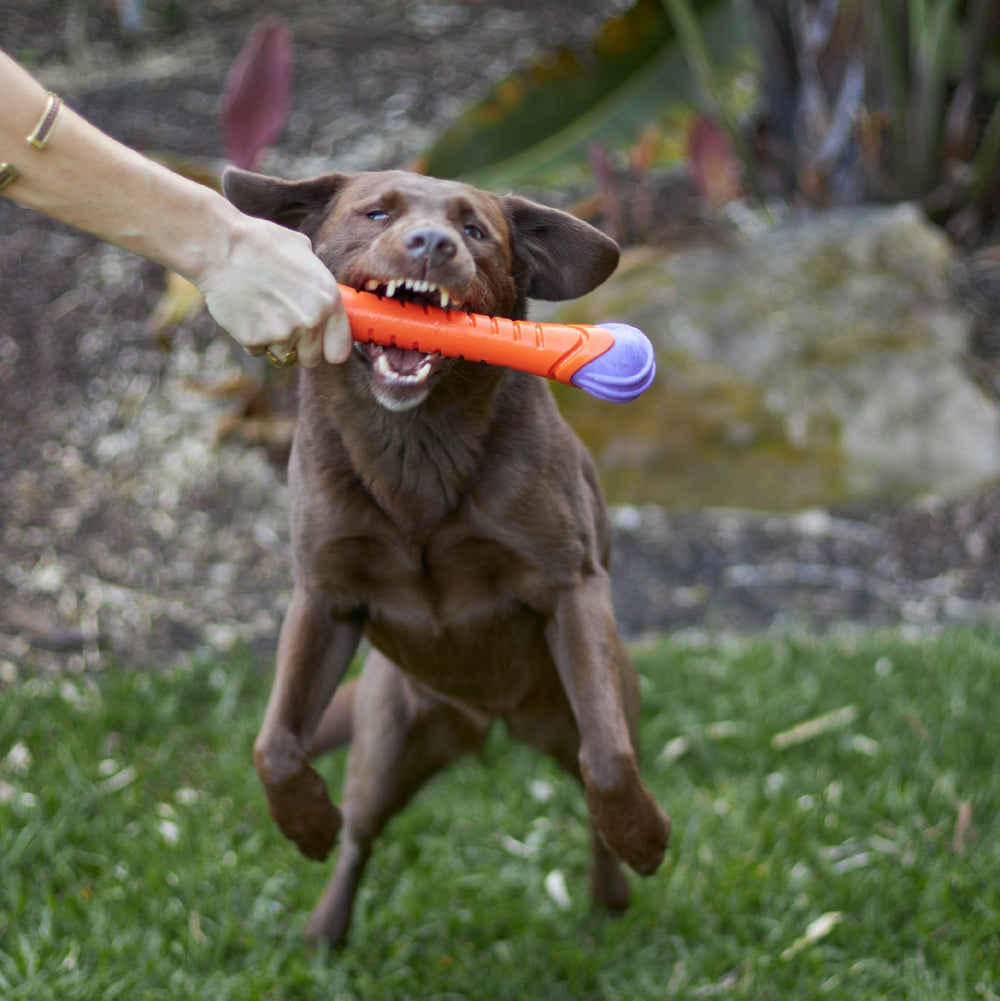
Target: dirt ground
x=135, y=531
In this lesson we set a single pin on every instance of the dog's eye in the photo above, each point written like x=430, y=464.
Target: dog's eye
x=377, y=215
x=474, y=232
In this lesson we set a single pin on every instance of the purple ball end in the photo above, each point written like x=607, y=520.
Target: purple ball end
x=624, y=371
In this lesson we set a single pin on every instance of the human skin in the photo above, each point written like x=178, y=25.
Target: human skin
x=261, y=281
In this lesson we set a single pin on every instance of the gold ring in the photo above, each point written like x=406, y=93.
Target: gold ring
x=289, y=359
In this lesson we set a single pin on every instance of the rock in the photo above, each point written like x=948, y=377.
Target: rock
x=820, y=361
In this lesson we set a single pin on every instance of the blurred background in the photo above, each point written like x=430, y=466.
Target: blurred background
x=807, y=196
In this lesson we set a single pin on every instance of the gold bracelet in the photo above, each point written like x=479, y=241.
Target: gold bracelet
x=40, y=136
x=8, y=173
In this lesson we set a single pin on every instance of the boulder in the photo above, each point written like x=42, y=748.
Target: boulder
x=816, y=362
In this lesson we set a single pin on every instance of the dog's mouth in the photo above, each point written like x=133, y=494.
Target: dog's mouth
x=402, y=378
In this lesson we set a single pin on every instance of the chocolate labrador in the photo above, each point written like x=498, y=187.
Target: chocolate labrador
x=443, y=510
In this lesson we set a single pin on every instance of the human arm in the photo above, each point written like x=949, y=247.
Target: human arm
x=261, y=281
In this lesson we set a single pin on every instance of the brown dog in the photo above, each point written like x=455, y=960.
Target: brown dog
x=443, y=510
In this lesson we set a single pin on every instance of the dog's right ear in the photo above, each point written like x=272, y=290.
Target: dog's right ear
x=296, y=204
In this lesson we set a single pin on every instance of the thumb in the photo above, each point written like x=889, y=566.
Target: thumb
x=337, y=340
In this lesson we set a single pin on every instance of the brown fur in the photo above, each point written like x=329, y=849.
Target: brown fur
x=455, y=522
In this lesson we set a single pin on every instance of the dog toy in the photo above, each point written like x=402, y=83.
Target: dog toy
x=613, y=361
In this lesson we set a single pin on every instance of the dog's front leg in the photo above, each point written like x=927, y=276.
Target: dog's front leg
x=583, y=639
x=314, y=651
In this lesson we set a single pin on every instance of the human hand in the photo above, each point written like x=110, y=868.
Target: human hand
x=274, y=296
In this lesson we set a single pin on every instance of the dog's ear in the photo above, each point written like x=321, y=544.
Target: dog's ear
x=560, y=256
x=294, y=204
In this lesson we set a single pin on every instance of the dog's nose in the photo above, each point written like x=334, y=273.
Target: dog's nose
x=431, y=245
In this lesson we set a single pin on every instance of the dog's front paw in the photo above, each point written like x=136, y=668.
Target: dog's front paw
x=633, y=827
x=302, y=809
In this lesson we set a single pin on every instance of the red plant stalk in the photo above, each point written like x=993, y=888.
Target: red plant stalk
x=257, y=94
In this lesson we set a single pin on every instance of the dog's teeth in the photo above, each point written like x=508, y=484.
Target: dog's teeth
x=418, y=286
x=372, y=285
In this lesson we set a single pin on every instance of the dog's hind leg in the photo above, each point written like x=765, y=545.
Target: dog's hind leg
x=402, y=736
x=336, y=725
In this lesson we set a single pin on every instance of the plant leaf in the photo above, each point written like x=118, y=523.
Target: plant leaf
x=257, y=95
x=550, y=113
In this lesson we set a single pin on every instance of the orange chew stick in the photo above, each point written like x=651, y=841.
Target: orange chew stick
x=553, y=350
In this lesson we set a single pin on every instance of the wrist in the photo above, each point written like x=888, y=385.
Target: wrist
x=206, y=234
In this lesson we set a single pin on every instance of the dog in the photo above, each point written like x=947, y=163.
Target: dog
x=444, y=511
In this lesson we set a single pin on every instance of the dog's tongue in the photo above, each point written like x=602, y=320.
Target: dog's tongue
x=404, y=361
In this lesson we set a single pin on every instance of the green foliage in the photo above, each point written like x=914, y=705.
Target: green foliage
x=543, y=117
x=940, y=59
x=895, y=100
x=853, y=858
x=888, y=100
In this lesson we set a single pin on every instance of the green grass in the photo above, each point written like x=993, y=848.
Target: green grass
x=169, y=881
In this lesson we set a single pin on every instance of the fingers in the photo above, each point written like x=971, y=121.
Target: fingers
x=277, y=298
x=331, y=340
x=337, y=340
x=310, y=348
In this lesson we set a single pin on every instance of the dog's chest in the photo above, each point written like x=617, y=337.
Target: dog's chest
x=450, y=580
x=465, y=616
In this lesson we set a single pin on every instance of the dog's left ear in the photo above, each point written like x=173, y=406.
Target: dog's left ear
x=560, y=256
x=295, y=204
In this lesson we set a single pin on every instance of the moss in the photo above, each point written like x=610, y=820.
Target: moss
x=849, y=345
x=829, y=267
x=700, y=438
x=785, y=366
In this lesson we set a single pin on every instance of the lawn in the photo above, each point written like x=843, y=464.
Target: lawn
x=835, y=807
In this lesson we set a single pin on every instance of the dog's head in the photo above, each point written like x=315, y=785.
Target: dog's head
x=433, y=241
